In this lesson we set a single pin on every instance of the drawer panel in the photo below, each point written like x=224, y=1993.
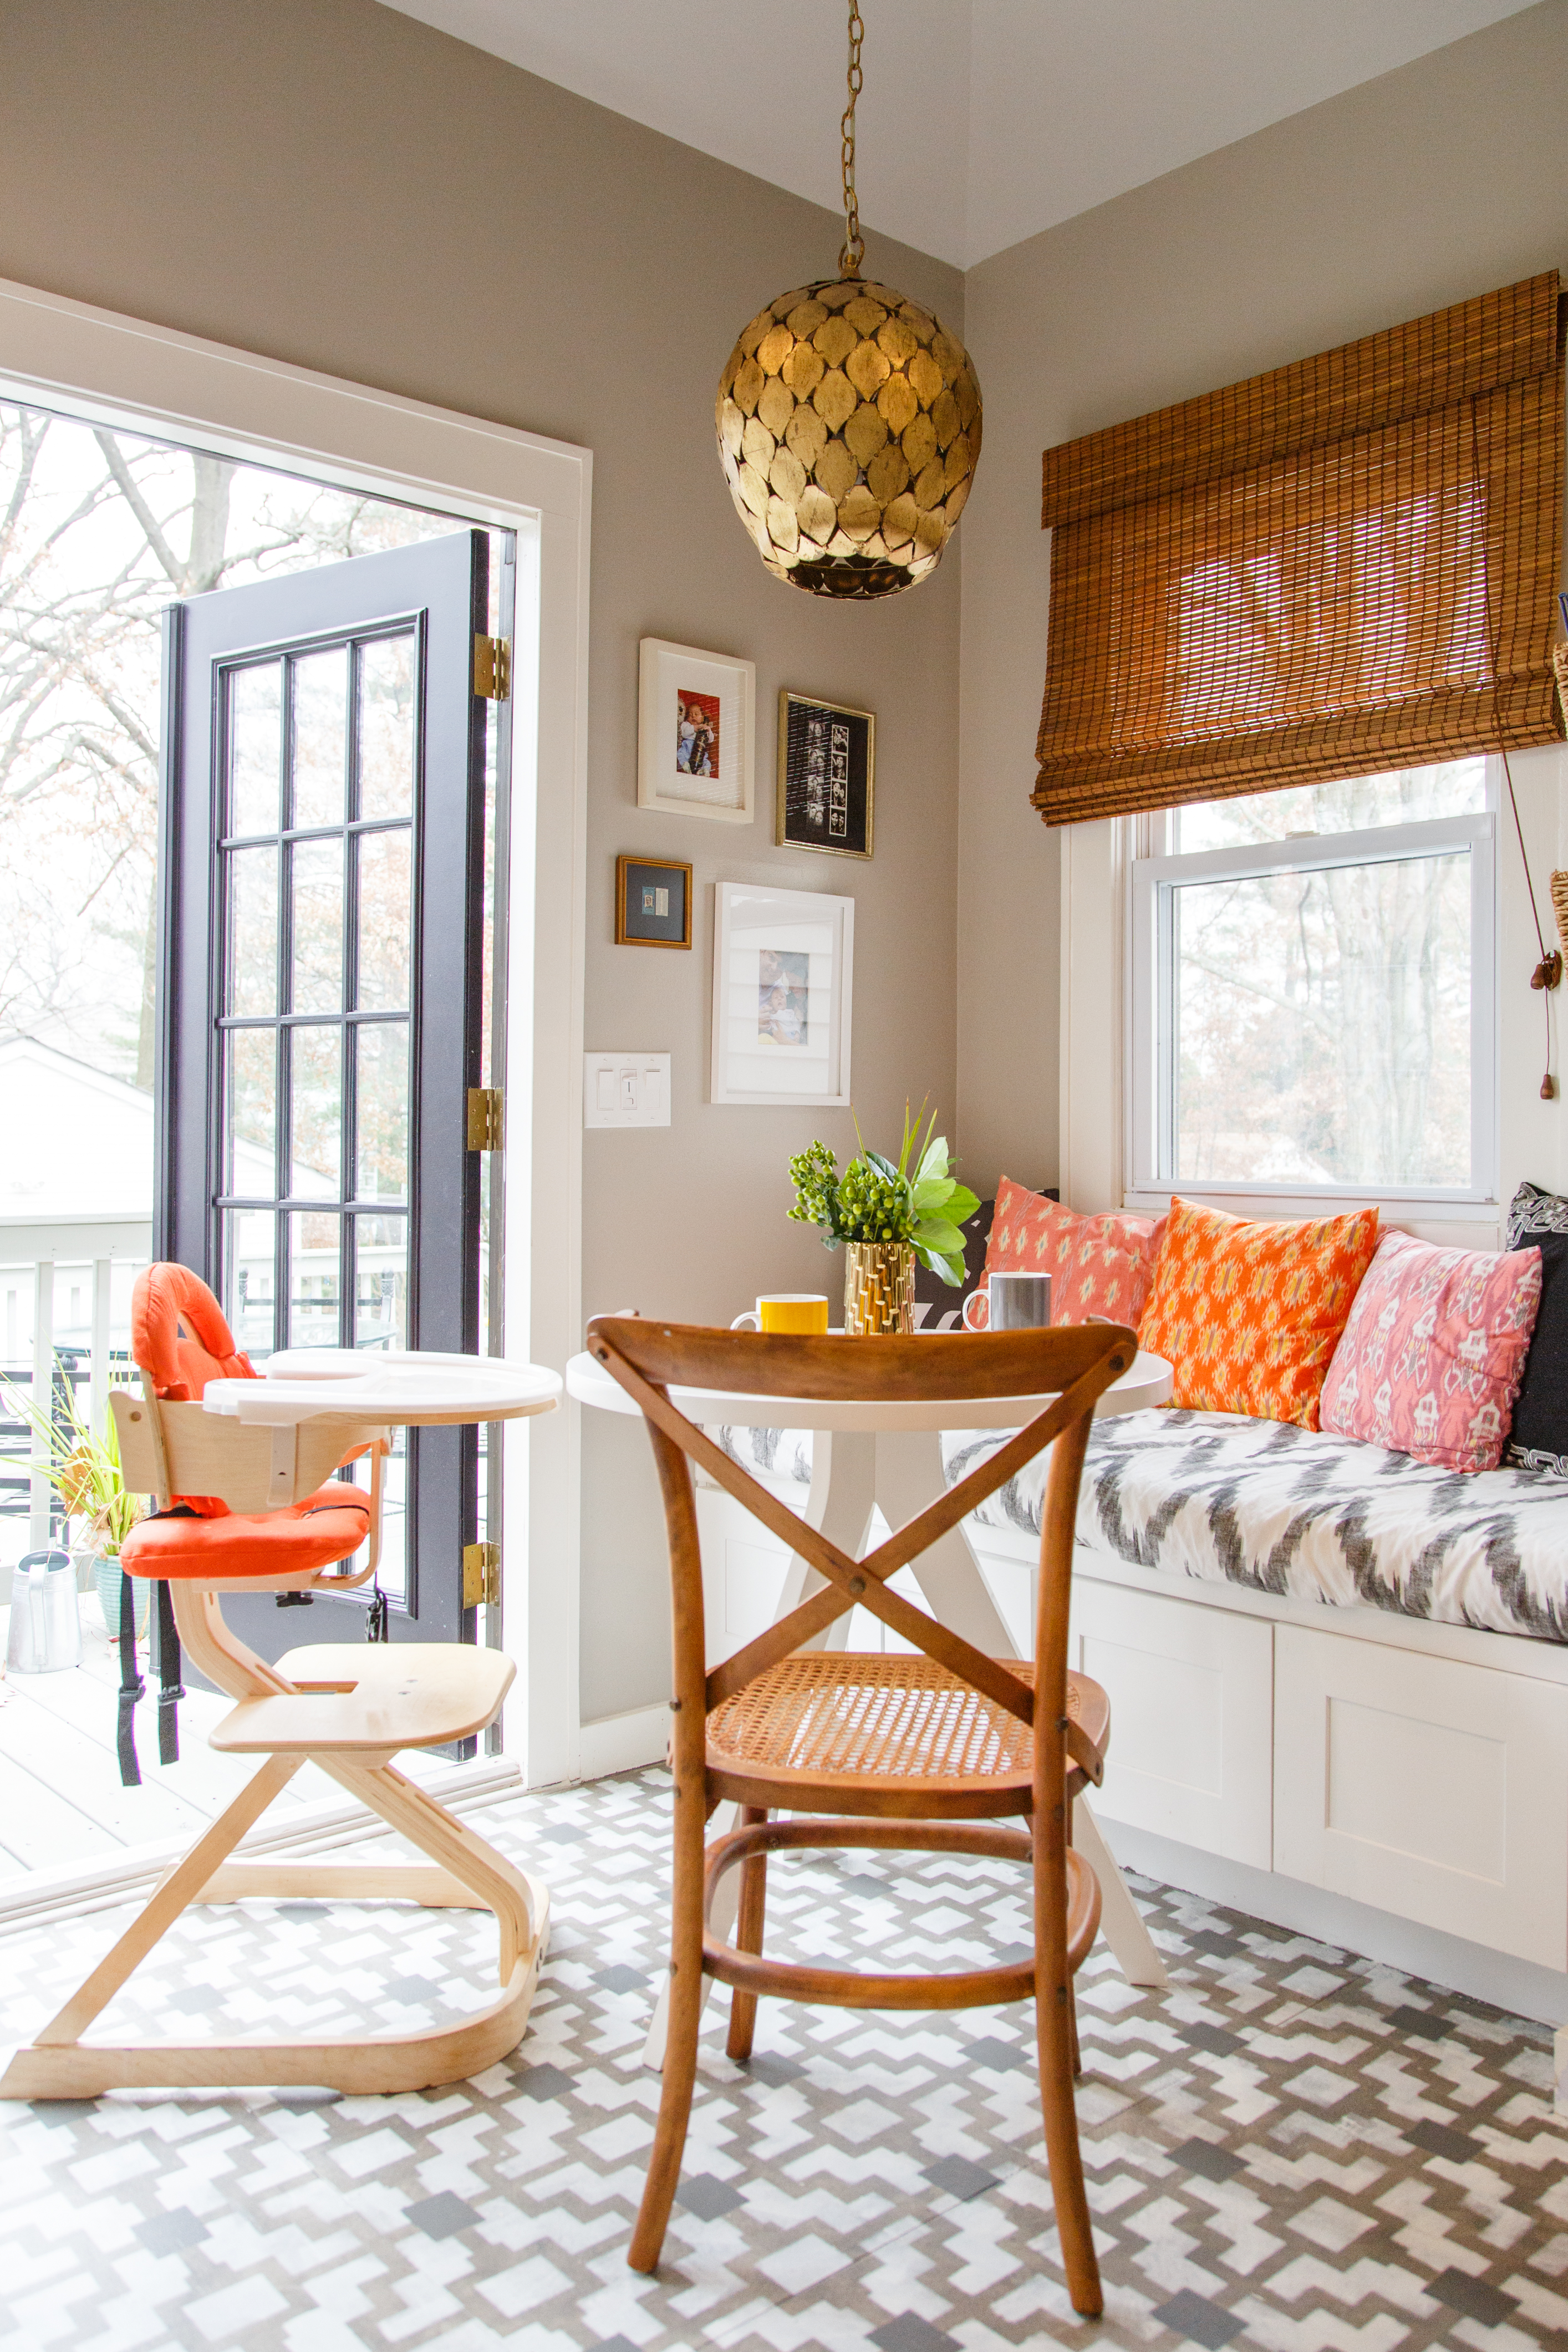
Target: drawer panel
x=1433, y=1789
x=1190, y=1704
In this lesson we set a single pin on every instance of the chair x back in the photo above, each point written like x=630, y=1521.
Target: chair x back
x=925, y=1752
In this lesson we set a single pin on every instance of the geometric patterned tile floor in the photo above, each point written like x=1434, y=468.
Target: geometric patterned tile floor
x=1291, y=2147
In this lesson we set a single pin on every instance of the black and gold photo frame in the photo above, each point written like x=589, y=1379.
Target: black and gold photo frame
x=827, y=776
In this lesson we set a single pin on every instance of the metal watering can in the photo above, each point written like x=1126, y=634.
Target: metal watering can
x=46, y=1630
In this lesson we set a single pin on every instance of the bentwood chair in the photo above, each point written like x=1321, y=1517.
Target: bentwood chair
x=928, y=1752
x=257, y=1509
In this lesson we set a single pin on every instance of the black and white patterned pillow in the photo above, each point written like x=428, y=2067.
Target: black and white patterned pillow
x=1532, y=1211
x=1538, y=1437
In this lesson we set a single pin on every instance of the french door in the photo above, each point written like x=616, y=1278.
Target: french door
x=322, y=927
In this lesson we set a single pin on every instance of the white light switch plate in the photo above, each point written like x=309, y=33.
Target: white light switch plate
x=625, y=1089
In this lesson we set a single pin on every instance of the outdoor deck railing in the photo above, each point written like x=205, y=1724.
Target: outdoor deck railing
x=65, y=1320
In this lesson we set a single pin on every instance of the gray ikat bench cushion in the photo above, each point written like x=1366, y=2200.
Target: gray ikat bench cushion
x=1280, y=1510
x=1308, y=1515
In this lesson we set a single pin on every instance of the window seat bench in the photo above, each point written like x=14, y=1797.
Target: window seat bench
x=1325, y=1661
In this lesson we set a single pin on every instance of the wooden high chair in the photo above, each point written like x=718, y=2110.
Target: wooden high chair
x=928, y=1752
x=248, y=1509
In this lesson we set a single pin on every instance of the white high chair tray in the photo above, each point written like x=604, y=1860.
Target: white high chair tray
x=392, y=1388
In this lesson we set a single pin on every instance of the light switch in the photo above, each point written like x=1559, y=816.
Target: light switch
x=626, y=1089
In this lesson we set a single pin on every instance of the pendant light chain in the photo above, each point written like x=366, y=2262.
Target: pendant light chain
x=854, y=250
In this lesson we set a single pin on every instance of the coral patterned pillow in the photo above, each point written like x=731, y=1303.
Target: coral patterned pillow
x=1098, y=1266
x=1434, y=1352
x=1249, y=1315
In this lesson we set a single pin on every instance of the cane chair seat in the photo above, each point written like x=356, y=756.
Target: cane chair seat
x=840, y=1728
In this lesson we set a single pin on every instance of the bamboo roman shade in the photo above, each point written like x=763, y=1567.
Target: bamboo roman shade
x=1345, y=566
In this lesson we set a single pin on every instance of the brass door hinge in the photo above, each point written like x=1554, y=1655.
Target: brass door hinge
x=481, y=1575
x=492, y=668
x=487, y=1118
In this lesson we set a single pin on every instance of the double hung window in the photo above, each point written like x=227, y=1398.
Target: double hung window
x=1313, y=1004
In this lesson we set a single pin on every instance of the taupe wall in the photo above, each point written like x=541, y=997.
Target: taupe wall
x=1419, y=189
x=330, y=183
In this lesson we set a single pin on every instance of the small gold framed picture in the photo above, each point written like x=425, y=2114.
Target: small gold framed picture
x=653, y=903
x=826, y=778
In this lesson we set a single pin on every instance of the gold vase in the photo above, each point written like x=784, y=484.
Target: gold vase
x=879, y=1288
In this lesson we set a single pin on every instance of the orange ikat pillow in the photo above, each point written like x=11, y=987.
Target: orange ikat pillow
x=1249, y=1316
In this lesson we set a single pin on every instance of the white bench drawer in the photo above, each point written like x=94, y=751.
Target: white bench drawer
x=1190, y=1717
x=1431, y=1788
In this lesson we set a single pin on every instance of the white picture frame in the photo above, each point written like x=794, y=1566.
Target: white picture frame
x=783, y=966
x=686, y=700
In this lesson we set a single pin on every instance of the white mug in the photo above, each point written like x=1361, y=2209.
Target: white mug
x=1014, y=1302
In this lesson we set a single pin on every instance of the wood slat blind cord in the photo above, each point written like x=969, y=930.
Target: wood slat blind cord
x=1548, y=972
x=1343, y=567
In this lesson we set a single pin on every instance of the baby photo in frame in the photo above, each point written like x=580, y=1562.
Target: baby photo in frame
x=784, y=967
x=696, y=732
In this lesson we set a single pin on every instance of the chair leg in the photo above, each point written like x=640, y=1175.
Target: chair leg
x=1055, y=2027
x=1054, y=2019
x=685, y=2023
x=748, y=1937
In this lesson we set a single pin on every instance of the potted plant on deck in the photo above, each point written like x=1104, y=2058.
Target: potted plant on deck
x=84, y=1469
x=886, y=1213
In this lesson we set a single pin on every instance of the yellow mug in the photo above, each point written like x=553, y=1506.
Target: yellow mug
x=785, y=1310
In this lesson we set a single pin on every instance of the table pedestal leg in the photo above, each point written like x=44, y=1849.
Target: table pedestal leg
x=900, y=1470
x=1120, y=1921
x=909, y=1476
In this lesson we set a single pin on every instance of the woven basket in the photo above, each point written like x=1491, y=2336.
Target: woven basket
x=1560, y=671
x=879, y=1288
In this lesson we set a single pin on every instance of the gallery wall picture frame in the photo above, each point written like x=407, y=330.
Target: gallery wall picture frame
x=697, y=732
x=653, y=903
x=784, y=967
x=827, y=775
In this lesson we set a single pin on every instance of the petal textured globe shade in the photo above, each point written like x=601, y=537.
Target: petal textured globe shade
x=848, y=430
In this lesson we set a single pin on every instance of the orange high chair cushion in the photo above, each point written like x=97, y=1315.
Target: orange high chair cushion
x=180, y=1340
x=329, y=1526
x=180, y=1361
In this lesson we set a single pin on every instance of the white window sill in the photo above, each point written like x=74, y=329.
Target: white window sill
x=1396, y=1208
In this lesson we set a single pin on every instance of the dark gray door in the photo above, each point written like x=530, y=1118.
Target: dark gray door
x=320, y=1018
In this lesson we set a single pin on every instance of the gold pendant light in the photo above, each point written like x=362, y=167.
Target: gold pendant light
x=848, y=422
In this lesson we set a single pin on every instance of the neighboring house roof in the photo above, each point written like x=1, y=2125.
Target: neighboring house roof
x=77, y=1142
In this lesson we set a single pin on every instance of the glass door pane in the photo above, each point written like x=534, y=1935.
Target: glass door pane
x=349, y=1021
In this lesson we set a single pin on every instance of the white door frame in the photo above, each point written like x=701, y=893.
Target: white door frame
x=147, y=378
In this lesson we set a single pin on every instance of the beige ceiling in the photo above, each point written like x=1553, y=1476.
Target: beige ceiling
x=982, y=121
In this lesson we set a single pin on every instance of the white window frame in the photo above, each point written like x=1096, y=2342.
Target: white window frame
x=1152, y=877
x=129, y=374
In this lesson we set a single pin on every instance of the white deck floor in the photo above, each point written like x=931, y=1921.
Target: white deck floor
x=60, y=1799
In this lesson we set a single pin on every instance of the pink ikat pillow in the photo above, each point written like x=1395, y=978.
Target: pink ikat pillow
x=1432, y=1355
x=1101, y=1265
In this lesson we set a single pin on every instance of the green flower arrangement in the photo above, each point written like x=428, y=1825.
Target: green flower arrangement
x=83, y=1469
x=913, y=1199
